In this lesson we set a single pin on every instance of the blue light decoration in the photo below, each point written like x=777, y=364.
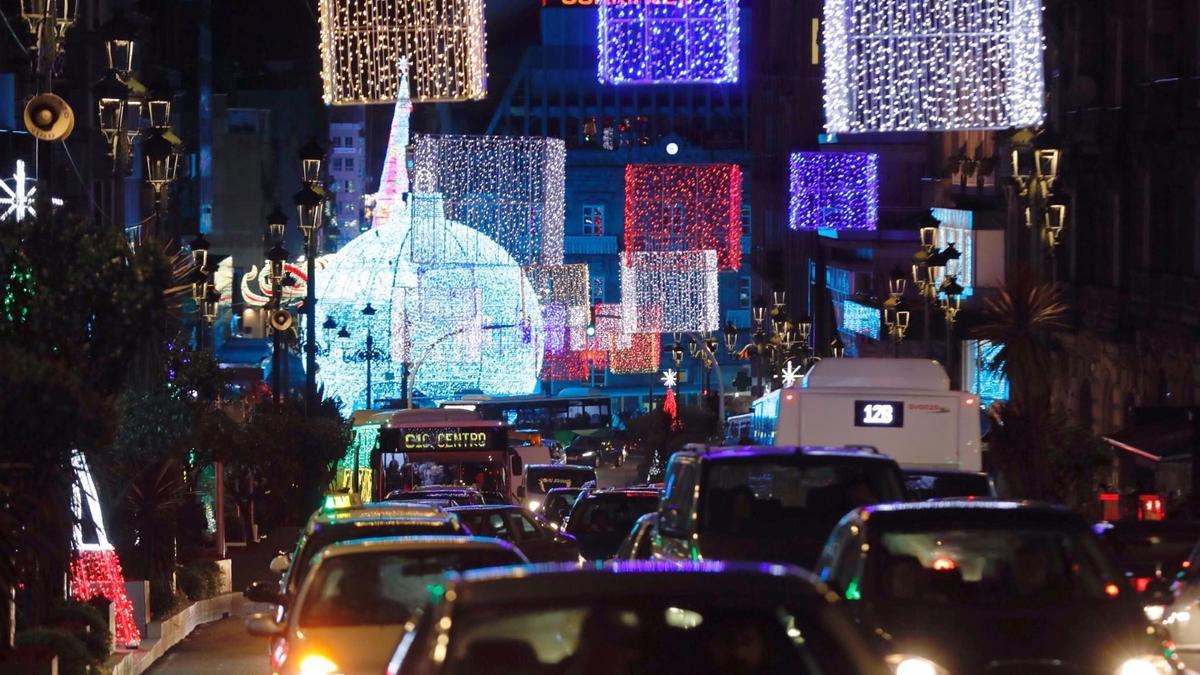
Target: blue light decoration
x=957, y=226
x=668, y=41
x=860, y=319
x=834, y=191
x=991, y=385
x=449, y=301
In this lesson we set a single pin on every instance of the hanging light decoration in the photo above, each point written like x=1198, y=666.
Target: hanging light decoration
x=509, y=188
x=642, y=355
x=669, y=291
x=363, y=42
x=676, y=207
x=834, y=190
x=668, y=41
x=901, y=65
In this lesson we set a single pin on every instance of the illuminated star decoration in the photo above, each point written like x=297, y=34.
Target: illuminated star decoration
x=790, y=373
x=669, y=378
x=930, y=65
x=19, y=198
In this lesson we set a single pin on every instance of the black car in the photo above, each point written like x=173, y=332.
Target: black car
x=943, y=483
x=532, y=534
x=557, y=505
x=583, y=451
x=440, y=497
x=1152, y=554
x=988, y=586
x=601, y=519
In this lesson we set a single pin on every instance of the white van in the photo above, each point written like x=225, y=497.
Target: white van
x=901, y=407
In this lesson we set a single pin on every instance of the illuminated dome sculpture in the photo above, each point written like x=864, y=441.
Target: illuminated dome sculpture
x=461, y=324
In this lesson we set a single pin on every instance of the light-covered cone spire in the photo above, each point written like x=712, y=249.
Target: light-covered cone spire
x=393, y=181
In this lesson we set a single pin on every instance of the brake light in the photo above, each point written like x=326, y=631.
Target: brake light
x=1186, y=564
x=1141, y=583
x=1112, y=590
x=944, y=565
x=969, y=401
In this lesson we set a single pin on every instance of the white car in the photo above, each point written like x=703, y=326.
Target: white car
x=359, y=596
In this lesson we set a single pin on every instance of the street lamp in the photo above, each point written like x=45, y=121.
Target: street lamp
x=308, y=207
x=677, y=354
x=276, y=258
x=212, y=300
x=120, y=43
x=199, y=247
x=779, y=297
x=731, y=335
x=1035, y=173
x=162, y=162
x=276, y=225
x=837, y=348
x=311, y=156
x=48, y=21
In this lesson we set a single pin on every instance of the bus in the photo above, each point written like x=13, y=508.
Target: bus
x=558, y=418
x=443, y=447
x=737, y=429
x=901, y=407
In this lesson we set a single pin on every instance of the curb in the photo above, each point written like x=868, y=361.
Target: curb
x=170, y=632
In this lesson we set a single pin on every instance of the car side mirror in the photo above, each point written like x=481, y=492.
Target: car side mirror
x=264, y=626
x=264, y=591
x=280, y=563
x=518, y=465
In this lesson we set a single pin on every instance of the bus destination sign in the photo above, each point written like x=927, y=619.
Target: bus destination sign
x=879, y=413
x=443, y=439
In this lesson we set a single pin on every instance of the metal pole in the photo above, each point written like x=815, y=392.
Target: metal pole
x=720, y=380
x=219, y=472
x=310, y=343
x=370, y=356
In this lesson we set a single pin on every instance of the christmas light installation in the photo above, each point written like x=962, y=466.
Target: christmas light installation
x=569, y=366
x=790, y=373
x=860, y=319
x=17, y=200
x=366, y=43
x=509, y=188
x=957, y=226
x=449, y=302
x=642, y=356
x=669, y=378
x=95, y=568
x=258, y=292
x=932, y=65
x=834, y=190
x=393, y=180
x=685, y=207
x=565, y=285
x=668, y=41
x=358, y=456
x=669, y=292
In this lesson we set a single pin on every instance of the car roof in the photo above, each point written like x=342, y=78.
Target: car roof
x=959, y=510
x=944, y=472
x=580, y=467
x=564, y=489
x=418, y=543
x=746, y=451
x=443, y=488
x=484, y=507
x=381, y=510
x=623, y=492
x=633, y=579
x=384, y=521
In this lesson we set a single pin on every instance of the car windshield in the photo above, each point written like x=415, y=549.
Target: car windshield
x=777, y=497
x=991, y=566
x=559, y=501
x=325, y=535
x=384, y=588
x=685, y=636
x=606, y=515
x=941, y=485
x=543, y=479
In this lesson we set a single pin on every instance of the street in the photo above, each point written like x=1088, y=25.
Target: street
x=224, y=647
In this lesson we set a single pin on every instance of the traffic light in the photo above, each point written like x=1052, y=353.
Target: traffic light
x=591, y=327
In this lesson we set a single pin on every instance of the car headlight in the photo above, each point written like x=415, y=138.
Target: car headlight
x=315, y=664
x=906, y=664
x=1146, y=665
x=589, y=453
x=534, y=504
x=1154, y=612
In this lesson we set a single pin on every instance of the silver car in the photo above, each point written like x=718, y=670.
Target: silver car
x=359, y=597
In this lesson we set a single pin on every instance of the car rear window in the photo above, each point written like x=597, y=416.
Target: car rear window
x=606, y=515
x=937, y=486
x=776, y=496
x=544, y=479
x=330, y=534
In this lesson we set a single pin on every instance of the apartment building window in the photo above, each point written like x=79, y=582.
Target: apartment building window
x=348, y=142
x=743, y=292
x=745, y=220
x=593, y=219
x=349, y=186
x=337, y=164
x=337, y=141
x=349, y=164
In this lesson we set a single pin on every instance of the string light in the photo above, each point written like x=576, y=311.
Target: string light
x=365, y=44
x=665, y=292
x=668, y=41
x=565, y=285
x=681, y=207
x=393, y=180
x=509, y=188
x=834, y=190
x=568, y=366
x=95, y=568
x=257, y=289
x=860, y=319
x=957, y=226
x=642, y=355
x=933, y=65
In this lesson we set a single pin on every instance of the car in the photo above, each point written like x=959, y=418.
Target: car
x=557, y=505
x=611, y=453
x=601, y=518
x=989, y=586
x=761, y=503
x=529, y=532
x=583, y=451
x=542, y=478
x=639, y=543
x=456, y=496
x=327, y=527
x=1156, y=556
x=624, y=618
x=942, y=483
x=355, y=603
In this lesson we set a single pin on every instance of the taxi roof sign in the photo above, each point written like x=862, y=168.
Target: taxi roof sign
x=340, y=500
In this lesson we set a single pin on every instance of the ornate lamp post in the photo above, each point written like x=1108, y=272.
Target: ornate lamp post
x=1034, y=174
x=49, y=20
x=309, y=202
x=368, y=354
x=276, y=259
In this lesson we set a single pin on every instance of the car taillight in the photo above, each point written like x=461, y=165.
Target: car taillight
x=1140, y=584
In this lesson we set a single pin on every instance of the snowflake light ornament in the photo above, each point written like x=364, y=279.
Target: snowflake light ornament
x=19, y=198
x=669, y=378
x=790, y=373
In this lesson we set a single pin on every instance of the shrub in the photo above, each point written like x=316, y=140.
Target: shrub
x=164, y=600
x=199, y=580
x=72, y=655
x=86, y=623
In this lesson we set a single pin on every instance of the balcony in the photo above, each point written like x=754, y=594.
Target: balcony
x=589, y=245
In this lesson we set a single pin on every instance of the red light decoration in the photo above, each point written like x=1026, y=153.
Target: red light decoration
x=685, y=207
x=671, y=408
x=572, y=366
x=642, y=355
x=98, y=574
